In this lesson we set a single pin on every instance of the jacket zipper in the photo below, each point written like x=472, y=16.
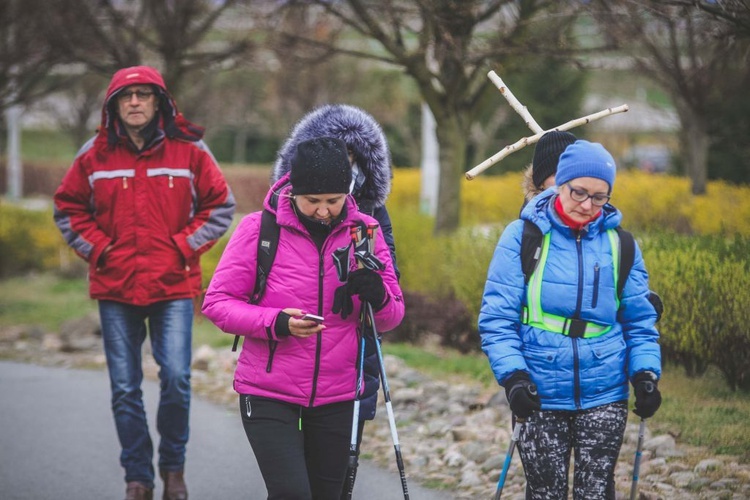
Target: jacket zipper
x=579, y=299
x=319, y=340
x=271, y=349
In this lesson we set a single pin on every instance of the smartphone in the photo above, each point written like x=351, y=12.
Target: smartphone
x=313, y=317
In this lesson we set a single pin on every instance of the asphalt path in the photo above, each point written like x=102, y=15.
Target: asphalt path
x=58, y=441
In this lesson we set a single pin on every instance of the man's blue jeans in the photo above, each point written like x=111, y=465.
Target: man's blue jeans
x=123, y=332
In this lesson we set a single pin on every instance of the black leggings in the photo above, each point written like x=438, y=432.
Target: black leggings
x=547, y=439
x=299, y=464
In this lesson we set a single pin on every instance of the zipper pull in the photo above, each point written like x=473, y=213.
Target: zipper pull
x=299, y=424
x=171, y=181
x=124, y=182
x=248, y=410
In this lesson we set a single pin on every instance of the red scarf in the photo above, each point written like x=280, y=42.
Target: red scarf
x=572, y=224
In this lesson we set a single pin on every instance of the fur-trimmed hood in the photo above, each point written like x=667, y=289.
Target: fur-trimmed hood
x=363, y=136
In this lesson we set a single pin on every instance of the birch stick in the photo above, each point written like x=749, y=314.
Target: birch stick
x=525, y=141
x=515, y=103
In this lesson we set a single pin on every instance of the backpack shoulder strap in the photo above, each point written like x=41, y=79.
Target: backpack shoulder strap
x=627, y=257
x=531, y=248
x=268, y=242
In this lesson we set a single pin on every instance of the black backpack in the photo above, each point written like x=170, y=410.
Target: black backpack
x=531, y=251
x=268, y=242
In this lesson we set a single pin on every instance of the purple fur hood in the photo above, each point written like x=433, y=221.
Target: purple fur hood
x=362, y=134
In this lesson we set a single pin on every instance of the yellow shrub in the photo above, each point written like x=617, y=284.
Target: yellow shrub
x=648, y=202
x=29, y=241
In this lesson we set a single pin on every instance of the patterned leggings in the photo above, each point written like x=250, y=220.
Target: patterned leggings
x=547, y=439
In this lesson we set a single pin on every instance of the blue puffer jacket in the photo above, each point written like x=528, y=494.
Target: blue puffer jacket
x=570, y=373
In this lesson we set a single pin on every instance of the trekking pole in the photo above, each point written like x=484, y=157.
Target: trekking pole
x=649, y=387
x=371, y=229
x=351, y=471
x=637, y=461
x=509, y=456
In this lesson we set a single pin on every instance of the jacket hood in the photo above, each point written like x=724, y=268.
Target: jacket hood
x=170, y=119
x=541, y=211
x=362, y=135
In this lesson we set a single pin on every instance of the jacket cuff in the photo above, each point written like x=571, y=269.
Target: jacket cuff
x=644, y=375
x=381, y=306
x=281, y=325
x=516, y=376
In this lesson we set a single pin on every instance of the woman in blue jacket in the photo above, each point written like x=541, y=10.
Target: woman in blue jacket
x=564, y=345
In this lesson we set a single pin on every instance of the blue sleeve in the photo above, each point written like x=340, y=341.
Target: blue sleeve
x=500, y=313
x=638, y=319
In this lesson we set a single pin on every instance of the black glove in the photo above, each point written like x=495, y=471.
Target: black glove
x=522, y=395
x=342, y=302
x=647, y=395
x=368, y=285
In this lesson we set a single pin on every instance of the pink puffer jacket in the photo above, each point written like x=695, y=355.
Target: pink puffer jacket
x=320, y=369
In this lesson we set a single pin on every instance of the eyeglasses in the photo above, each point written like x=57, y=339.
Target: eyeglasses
x=580, y=195
x=141, y=95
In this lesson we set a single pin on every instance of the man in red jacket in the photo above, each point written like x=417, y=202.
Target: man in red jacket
x=142, y=201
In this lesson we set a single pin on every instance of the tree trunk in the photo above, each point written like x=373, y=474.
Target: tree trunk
x=452, y=140
x=694, y=142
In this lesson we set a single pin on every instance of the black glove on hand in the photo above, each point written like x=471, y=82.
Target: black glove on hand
x=522, y=395
x=342, y=302
x=647, y=395
x=368, y=285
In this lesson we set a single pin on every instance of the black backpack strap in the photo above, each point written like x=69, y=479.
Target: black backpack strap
x=531, y=248
x=268, y=242
x=627, y=257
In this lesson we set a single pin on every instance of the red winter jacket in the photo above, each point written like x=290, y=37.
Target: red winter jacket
x=159, y=208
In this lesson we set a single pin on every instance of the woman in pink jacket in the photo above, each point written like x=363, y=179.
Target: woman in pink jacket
x=297, y=378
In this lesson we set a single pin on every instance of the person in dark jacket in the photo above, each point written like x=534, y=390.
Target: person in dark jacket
x=298, y=378
x=141, y=202
x=371, y=183
x=564, y=345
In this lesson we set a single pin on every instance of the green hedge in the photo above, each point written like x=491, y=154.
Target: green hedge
x=705, y=284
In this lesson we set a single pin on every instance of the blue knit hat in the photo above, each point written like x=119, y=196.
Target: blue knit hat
x=586, y=159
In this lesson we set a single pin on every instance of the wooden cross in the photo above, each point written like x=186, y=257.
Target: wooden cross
x=532, y=124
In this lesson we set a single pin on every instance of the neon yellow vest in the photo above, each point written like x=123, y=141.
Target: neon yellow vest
x=534, y=315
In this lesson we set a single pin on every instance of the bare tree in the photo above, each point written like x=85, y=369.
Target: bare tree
x=108, y=35
x=734, y=12
x=25, y=60
x=446, y=47
x=78, y=112
x=684, y=50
